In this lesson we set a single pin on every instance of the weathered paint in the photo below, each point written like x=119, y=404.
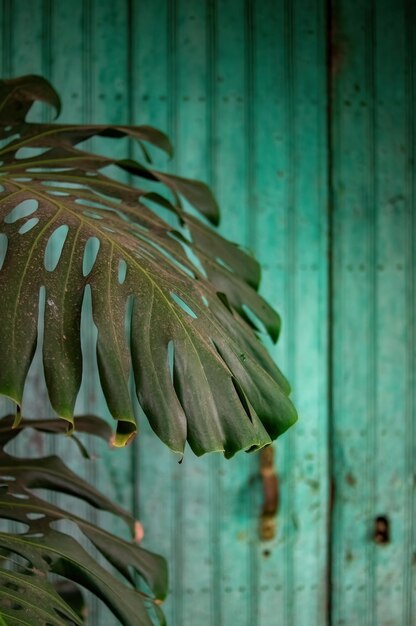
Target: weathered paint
x=374, y=242
x=241, y=87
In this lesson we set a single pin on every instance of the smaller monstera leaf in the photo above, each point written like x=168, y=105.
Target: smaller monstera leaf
x=27, y=593
x=173, y=303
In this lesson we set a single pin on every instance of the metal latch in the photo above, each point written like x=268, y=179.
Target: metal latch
x=270, y=483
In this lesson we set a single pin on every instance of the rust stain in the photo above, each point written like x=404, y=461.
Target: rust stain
x=270, y=493
x=350, y=479
x=337, y=48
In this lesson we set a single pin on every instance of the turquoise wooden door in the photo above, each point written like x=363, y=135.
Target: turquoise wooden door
x=300, y=114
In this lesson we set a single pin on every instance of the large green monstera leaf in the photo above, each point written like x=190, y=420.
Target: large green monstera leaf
x=175, y=305
x=28, y=595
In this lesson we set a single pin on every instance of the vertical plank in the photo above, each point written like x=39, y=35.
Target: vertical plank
x=159, y=477
x=273, y=163
x=410, y=272
x=354, y=312
x=290, y=221
x=26, y=37
x=230, y=178
x=374, y=315
x=66, y=73
x=191, y=147
x=391, y=479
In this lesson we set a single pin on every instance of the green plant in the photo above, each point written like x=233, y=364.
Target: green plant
x=176, y=306
x=27, y=596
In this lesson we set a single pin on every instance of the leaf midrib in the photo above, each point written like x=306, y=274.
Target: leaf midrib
x=133, y=261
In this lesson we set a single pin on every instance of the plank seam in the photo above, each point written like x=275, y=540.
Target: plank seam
x=289, y=11
x=330, y=276
x=371, y=253
x=215, y=484
x=249, y=47
x=411, y=347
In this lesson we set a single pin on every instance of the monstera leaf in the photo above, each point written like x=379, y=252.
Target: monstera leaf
x=27, y=558
x=175, y=305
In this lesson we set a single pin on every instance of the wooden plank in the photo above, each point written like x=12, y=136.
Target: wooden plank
x=409, y=590
x=353, y=167
x=25, y=37
x=290, y=212
x=190, y=72
x=372, y=291
x=158, y=484
x=234, y=530
x=391, y=561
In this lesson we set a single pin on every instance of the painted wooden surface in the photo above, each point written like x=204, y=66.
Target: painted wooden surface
x=374, y=299
x=241, y=88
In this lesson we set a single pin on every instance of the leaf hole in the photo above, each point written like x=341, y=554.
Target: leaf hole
x=54, y=247
x=185, y=307
x=23, y=209
x=67, y=185
x=48, y=169
x=15, y=560
x=35, y=516
x=190, y=254
x=90, y=203
x=205, y=300
x=122, y=271
x=179, y=264
x=57, y=193
x=254, y=321
x=171, y=358
x=242, y=397
x=3, y=248
x=8, y=140
x=224, y=264
x=90, y=255
x=19, y=528
x=27, y=226
x=95, y=216
x=30, y=153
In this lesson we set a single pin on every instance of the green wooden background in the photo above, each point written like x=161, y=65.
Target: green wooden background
x=300, y=114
